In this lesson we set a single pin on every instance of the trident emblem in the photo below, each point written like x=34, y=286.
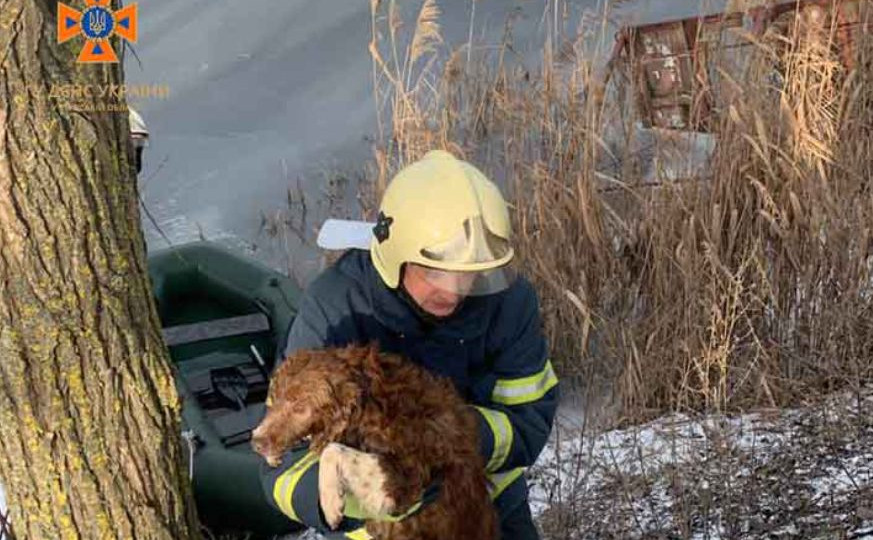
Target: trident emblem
x=97, y=22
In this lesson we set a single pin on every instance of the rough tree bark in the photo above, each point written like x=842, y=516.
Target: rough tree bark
x=89, y=416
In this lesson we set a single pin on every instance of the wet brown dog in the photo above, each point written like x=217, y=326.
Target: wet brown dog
x=416, y=424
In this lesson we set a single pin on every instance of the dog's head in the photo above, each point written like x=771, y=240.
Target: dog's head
x=313, y=394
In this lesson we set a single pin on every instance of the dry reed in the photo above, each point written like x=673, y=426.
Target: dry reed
x=741, y=283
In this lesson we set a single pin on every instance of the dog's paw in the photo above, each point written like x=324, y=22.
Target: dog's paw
x=331, y=492
x=364, y=476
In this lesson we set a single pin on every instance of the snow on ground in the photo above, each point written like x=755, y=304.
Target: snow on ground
x=800, y=473
x=804, y=473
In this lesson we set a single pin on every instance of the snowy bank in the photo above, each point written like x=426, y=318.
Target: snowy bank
x=803, y=473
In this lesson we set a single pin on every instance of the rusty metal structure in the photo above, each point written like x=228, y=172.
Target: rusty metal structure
x=672, y=63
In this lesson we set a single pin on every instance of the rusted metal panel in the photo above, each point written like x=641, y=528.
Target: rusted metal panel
x=663, y=54
x=851, y=21
x=671, y=61
x=670, y=114
x=680, y=66
x=718, y=56
x=845, y=18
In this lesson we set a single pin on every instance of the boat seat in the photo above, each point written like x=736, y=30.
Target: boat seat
x=217, y=328
x=234, y=419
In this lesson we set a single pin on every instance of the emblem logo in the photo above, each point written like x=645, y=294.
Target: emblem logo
x=382, y=229
x=97, y=24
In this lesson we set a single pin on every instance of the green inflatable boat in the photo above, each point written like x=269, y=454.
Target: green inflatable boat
x=224, y=317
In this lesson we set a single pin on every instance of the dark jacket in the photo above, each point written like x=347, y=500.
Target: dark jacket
x=492, y=348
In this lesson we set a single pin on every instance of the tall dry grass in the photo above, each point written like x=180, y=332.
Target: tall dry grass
x=745, y=282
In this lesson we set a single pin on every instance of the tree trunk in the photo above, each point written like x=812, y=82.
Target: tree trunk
x=89, y=415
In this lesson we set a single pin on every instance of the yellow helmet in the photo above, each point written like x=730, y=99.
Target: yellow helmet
x=443, y=213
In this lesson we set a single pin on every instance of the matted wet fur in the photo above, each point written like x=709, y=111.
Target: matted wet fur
x=416, y=423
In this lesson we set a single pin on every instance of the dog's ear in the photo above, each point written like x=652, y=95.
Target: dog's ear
x=343, y=405
x=285, y=373
x=293, y=364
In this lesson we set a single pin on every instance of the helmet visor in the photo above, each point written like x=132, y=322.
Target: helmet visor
x=139, y=140
x=470, y=283
x=472, y=247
